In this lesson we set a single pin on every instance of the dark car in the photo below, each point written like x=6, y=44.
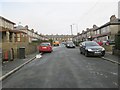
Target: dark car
x=70, y=45
x=91, y=48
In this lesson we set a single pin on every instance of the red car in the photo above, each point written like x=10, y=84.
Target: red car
x=45, y=47
x=100, y=43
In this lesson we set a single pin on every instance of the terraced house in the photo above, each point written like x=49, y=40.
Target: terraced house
x=15, y=37
x=108, y=30
x=60, y=38
x=104, y=32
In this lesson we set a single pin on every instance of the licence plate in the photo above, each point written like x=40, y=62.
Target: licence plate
x=44, y=47
x=97, y=52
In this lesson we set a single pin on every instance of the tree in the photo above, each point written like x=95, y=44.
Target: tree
x=51, y=41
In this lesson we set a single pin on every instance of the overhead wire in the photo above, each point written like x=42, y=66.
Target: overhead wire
x=86, y=14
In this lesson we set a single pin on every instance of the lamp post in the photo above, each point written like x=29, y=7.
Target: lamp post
x=71, y=29
x=76, y=30
x=71, y=32
x=77, y=33
x=76, y=27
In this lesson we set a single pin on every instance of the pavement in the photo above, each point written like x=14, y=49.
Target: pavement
x=112, y=58
x=9, y=67
x=65, y=68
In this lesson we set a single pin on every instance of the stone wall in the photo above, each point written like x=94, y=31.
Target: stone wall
x=116, y=52
x=29, y=48
x=108, y=48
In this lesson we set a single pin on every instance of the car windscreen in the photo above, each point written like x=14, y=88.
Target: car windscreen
x=70, y=43
x=91, y=44
x=45, y=44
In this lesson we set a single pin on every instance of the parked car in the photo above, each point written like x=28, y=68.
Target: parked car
x=91, y=48
x=45, y=47
x=64, y=43
x=100, y=43
x=56, y=43
x=70, y=45
x=105, y=42
x=110, y=42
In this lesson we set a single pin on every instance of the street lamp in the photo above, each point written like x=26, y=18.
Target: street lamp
x=76, y=27
x=77, y=33
x=71, y=30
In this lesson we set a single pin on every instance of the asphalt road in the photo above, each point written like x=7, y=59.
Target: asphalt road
x=65, y=68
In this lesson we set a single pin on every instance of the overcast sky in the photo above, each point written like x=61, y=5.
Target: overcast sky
x=56, y=16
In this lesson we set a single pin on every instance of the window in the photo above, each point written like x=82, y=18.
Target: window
x=18, y=37
x=98, y=32
x=105, y=30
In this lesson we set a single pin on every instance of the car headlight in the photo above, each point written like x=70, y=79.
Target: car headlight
x=103, y=49
x=90, y=49
x=68, y=45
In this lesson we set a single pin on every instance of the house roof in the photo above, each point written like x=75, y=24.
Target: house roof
x=115, y=22
x=7, y=20
x=18, y=31
x=14, y=31
x=101, y=35
x=19, y=27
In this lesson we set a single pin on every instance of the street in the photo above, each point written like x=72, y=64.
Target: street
x=65, y=68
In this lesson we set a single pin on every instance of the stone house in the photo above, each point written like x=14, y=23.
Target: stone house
x=84, y=35
x=104, y=32
x=12, y=38
x=108, y=30
x=60, y=38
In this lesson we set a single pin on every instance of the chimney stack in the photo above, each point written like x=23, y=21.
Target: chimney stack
x=112, y=18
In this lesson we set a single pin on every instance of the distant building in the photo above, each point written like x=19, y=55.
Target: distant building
x=60, y=38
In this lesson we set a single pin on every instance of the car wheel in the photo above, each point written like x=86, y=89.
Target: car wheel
x=103, y=55
x=86, y=54
x=80, y=52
